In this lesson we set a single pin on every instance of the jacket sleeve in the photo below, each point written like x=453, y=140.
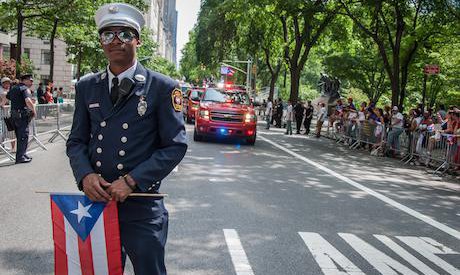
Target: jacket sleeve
x=172, y=146
x=77, y=144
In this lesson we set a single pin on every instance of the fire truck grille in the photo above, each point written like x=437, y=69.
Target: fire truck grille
x=227, y=117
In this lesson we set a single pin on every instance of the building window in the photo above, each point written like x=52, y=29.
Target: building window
x=46, y=57
x=27, y=52
x=6, y=52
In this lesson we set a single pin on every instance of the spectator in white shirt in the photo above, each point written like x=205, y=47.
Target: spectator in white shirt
x=268, y=113
x=322, y=115
x=397, y=123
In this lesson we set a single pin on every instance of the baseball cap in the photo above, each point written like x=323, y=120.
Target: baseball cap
x=6, y=79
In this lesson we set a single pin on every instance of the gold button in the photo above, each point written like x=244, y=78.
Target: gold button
x=99, y=150
x=100, y=137
x=103, y=124
x=120, y=166
x=125, y=126
x=124, y=139
x=98, y=163
x=122, y=153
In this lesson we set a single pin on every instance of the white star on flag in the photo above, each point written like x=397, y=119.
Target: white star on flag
x=82, y=211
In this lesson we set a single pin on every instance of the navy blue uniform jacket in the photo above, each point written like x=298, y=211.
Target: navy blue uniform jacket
x=116, y=140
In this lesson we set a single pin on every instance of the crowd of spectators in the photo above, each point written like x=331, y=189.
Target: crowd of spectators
x=420, y=133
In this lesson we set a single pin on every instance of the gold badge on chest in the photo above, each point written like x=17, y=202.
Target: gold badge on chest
x=142, y=106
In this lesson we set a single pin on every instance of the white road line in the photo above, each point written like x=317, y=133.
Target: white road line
x=449, y=230
x=406, y=255
x=428, y=248
x=327, y=256
x=379, y=260
x=239, y=258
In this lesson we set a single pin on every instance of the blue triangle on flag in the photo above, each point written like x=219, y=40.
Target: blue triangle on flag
x=75, y=207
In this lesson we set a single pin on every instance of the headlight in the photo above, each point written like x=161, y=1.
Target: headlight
x=204, y=114
x=248, y=117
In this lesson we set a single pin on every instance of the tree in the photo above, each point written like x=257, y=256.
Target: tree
x=399, y=29
x=15, y=13
x=259, y=33
x=303, y=23
x=358, y=63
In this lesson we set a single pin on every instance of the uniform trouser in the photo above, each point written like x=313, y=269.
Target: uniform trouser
x=22, y=136
x=144, y=242
x=307, y=123
x=298, y=121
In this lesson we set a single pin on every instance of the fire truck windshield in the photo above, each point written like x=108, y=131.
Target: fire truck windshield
x=235, y=97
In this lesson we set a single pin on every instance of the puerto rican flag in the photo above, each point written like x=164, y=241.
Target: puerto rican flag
x=86, y=236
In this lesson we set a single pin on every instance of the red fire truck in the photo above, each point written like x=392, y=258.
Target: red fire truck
x=191, y=103
x=225, y=114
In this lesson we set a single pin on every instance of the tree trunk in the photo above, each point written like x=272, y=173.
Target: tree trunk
x=53, y=35
x=20, y=26
x=295, y=84
x=273, y=79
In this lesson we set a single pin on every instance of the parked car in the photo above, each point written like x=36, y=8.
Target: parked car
x=226, y=114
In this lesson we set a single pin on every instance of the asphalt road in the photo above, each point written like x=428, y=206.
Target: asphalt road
x=288, y=205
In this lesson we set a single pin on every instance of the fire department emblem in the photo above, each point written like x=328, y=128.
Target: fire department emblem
x=176, y=97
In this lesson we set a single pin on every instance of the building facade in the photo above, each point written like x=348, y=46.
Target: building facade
x=38, y=51
x=161, y=19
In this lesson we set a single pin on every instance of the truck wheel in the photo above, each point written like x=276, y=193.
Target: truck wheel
x=251, y=140
x=196, y=136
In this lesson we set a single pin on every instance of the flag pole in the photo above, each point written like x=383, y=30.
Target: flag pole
x=148, y=195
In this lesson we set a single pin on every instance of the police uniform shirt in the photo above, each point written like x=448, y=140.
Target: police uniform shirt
x=18, y=95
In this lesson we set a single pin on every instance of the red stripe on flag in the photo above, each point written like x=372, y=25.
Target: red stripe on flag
x=60, y=256
x=86, y=256
x=112, y=238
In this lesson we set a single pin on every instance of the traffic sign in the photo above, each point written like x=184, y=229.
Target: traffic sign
x=431, y=69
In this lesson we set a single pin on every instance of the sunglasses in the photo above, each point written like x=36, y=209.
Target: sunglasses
x=125, y=36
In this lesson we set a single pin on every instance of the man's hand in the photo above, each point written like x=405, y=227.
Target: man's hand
x=93, y=186
x=119, y=190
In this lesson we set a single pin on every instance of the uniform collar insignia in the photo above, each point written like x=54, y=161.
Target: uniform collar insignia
x=139, y=78
x=103, y=75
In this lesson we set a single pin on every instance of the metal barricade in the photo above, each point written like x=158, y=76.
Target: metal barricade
x=6, y=137
x=51, y=119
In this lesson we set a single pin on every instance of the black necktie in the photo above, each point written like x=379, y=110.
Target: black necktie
x=114, y=90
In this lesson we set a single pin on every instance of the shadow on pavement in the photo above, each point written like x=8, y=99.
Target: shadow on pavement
x=25, y=262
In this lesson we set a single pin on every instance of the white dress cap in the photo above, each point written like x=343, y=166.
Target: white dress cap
x=119, y=15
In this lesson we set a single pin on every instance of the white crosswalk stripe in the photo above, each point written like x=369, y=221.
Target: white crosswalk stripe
x=235, y=248
x=327, y=256
x=419, y=252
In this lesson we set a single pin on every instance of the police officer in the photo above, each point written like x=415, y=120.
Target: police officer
x=308, y=117
x=22, y=112
x=298, y=111
x=127, y=135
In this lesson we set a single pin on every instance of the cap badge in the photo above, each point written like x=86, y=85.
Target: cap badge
x=113, y=9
